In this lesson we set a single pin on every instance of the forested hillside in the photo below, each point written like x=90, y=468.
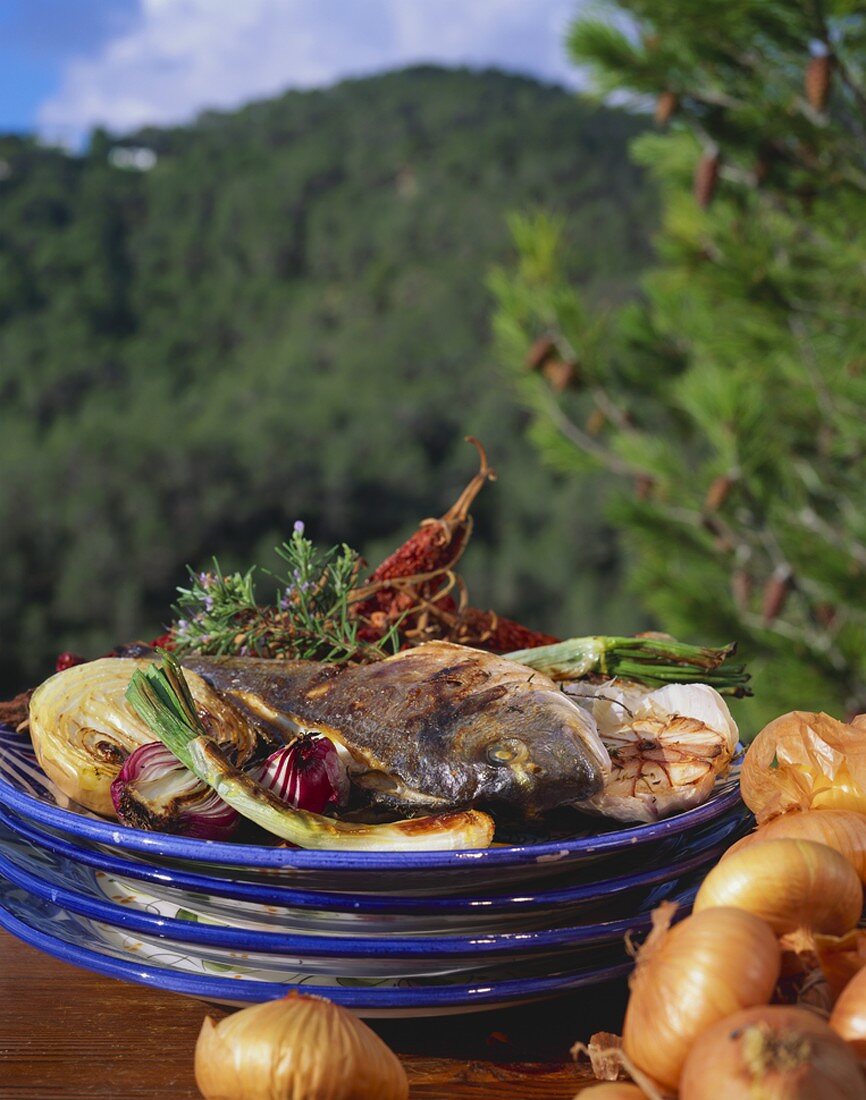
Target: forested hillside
x=287, y=316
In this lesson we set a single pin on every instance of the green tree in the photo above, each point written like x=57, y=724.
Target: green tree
x=729, y=399
x=286, y=317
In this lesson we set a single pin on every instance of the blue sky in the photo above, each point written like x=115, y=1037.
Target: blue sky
x=67, y=65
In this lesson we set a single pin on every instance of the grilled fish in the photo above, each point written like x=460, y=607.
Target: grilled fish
x=438, y=726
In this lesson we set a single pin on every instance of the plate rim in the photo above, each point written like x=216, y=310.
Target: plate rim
x=290, y=897
x=256, y=855
x=486, y=945
x=230, y=989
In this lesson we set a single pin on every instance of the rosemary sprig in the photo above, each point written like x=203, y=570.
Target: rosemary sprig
x=310, y=619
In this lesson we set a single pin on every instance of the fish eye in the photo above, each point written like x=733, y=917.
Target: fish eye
x=503, y=753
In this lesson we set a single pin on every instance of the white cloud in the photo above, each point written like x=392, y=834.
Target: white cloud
x=182, y=56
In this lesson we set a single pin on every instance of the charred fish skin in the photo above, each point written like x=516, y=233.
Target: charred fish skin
x=434, y=726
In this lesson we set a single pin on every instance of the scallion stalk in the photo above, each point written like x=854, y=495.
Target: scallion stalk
x=650, y=660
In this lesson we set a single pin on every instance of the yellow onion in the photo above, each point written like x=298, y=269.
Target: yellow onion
x=772, y=1052
x=82, y=727
x=790, y=884
x=849, y=1014
x=839, y=958
x=690, y=976
x=805, y=761
x=611, y=1090
x=297, y=1048
x=843, y=830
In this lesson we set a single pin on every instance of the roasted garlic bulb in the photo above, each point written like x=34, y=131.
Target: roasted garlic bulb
x=667, y=746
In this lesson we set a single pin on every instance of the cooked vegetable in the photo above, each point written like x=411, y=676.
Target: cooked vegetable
x=773, y=1052
x=843, y=830
x=493, y=632
x=805, y=761
x=849, y=1014
x=790, y=884
x=155, y=791
x=83, y=729
x=307, y=774
x=667, y=747
x=296, y=1048
x=160, y=696
x=690, y=976
x=650, y=660
x=415, y=588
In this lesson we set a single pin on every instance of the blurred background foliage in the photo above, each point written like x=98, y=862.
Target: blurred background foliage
x=287, y=316
x=728, y=397
x=298, y=310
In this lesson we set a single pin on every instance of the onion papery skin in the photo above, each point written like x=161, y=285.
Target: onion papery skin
x=83, y=729
x=805, y=761
x=849, y=1014
x=843, y=830
x=773, y=1052
x=296, y=1048
x=700, y=971
x=155, y=792
x=791, y=884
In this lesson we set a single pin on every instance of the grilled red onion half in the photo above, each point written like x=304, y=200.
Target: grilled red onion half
x=154, y=791
x=307, y=774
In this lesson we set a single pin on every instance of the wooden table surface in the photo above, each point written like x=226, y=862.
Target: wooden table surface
x=68, y=1034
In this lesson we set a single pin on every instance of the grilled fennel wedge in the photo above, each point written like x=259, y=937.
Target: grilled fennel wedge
x=82, y=727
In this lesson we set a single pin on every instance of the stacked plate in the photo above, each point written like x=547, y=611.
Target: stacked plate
x=382, y=933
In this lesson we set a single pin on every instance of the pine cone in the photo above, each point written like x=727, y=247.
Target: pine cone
x=643, y=486
x=595, y=422
x=720, y=533
x=706, y=179
x=666, y=105
x=542, y=350
x=776, y=592
x=817, y=80
x=761, y=167
x=825, y=614
x=718, y=492
x=741, y=588
x=560, y=374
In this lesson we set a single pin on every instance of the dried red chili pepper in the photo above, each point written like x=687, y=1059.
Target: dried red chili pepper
x=421, y=567
x=417, y=588
x=487, y=630
x=438, y=543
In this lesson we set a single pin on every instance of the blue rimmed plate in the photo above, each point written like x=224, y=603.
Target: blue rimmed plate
x=78, y=890
x=274, y=906
x=50, y=928
x=25, y=789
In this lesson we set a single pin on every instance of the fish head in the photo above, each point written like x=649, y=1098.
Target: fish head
x=533, y=748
